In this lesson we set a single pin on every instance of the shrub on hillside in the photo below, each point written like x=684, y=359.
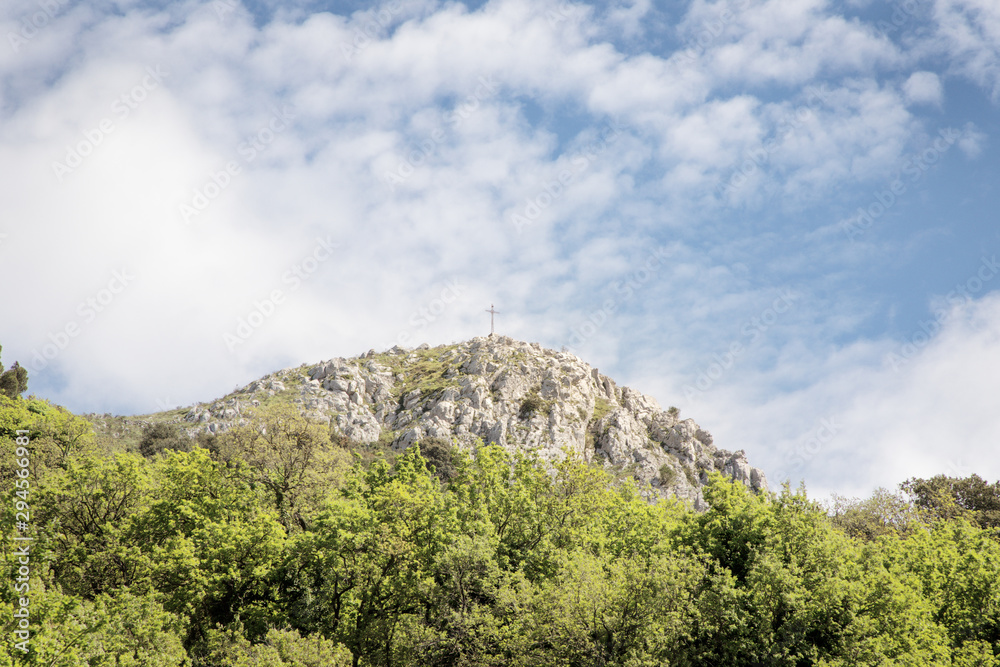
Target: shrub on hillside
x=160, y=437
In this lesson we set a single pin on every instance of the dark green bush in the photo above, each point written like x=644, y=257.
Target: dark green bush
x=440, y=456
x=13, y=382
x=160, y=437
x=667, y=475
x=531, y=404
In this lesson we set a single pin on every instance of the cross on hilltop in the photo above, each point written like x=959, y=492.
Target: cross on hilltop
x=492, y=313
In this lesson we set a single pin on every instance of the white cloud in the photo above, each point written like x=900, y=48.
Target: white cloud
x=972, y=141
x=969, y=31
x=357, y=116
x=629, y=16
x=923, y=88
x=479, y=114
x=781, y=42
x=870, y=414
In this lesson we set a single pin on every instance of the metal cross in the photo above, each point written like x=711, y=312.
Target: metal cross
x=492, y=313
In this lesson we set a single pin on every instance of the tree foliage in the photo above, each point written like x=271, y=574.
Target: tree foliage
x=14, y=381
x=945, y=497
x=163, y=436
x=884, y=513
x=274, y=548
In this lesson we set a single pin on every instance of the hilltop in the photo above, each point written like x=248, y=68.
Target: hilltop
x=496, y=390
x=282, y=540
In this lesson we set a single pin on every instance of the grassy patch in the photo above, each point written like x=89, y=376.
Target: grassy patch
x=602, y=407
x=385, y=438
x=516, y=357
x=425, y=373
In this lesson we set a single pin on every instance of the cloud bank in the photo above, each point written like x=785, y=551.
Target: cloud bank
x=196, y=194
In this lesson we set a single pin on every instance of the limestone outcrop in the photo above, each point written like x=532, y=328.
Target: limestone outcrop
x=496, y=389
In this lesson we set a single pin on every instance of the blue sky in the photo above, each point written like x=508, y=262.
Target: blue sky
x=779, y=216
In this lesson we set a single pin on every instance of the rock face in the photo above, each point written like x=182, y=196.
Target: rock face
x=496, y=389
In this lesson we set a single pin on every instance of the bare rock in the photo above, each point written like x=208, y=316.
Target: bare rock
x=494, y=389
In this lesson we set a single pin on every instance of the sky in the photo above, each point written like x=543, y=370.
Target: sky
x=779, y=216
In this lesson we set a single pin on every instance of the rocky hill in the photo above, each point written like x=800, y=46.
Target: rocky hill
x=496, y=389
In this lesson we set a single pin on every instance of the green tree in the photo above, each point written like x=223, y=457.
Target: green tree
x=368, y=563
x=84, y=511
x=957, y=566
x=884, y=513
x=534, y=510
x=289, y=456
x=787, y=588
x=229, y=647
x=971, y=497
x=13, y=382
x=733, y=530
x=440, y=457
x=121, y=630
x=209, y=546
x=163, y=436
x=54, y=433
x=17, y=414
x=629, y=610
x=467, y=620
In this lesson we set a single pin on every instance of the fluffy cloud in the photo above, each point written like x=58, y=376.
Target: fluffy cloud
x=872, y=413
x=969, y=32
x=923, y=88
x=199, y=197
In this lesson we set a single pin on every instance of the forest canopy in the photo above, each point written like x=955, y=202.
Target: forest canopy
x=281, y=543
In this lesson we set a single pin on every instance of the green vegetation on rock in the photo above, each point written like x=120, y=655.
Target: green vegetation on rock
x=667, y=475
x=601, y=408
x=533, y=404
x=425, y=372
